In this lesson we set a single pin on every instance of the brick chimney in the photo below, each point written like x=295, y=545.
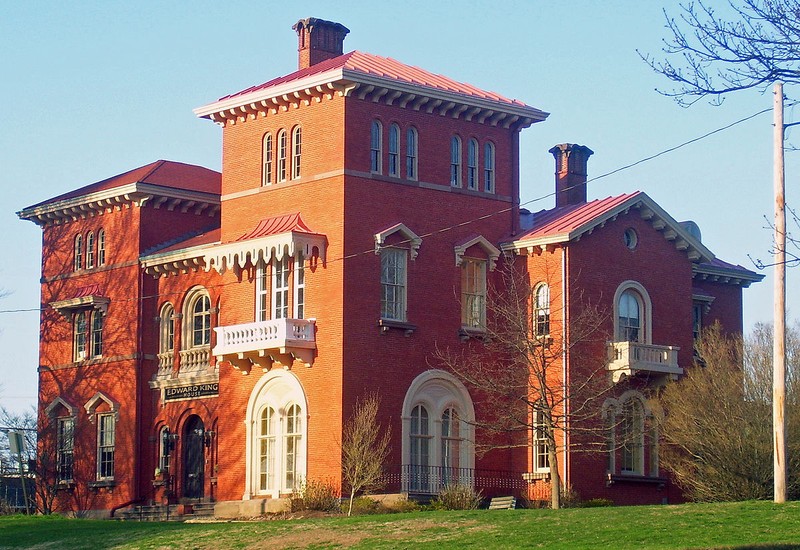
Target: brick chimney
x=571, y=161
x=318, y=40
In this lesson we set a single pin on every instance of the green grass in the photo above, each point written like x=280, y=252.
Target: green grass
x=729, y=525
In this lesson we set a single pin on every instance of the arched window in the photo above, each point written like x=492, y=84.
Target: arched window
x=101, y=247
x=164, y=448
x=266, y=158
x=89, y=250
x=166, y=341
x=77, y=263
x=266, y=449
x=629, y=317
x=632, y=437
x=282, y=156
x=488, y=167
x=79, y=336
x=297, y=149
x=276, y=442
x=196, y=332
x=472, y=164
x=375, y=148
x=394, y=150
x=438, y=444
x=455, y=161
x=411, y=154
x=541, y=310
x=201, y=322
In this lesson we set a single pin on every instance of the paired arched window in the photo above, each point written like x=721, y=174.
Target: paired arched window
x=541, y=310
x=197, y=319
x=455, y=161
x=87, y=334
x=488, y=167
x=394, y=150
x=297, y=149
x=90, y=250
x=85, y=250
x=472, y=164
x=633, y=436
x=266, y=159
x=77, y=262
x=101, y=247
x=411, y=153
x=282, y=152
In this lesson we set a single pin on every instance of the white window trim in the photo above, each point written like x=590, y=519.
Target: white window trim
x=489, y=164
x=473, y=172
x=456, y=161
x=187, y=333
x=297, y=152
x=262, y=292
x=537, y=443
x=278, y=388
x=645, y=315
x=267, y=150
x=479, y=292
x=411, y=239
x=612, y=413
x=376, y=149
x=298, y=285
x=412, y=154
x=283, y=288
x=492, y=252
x=402, y=257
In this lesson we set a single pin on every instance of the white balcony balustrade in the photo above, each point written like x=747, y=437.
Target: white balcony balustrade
x=278, y=340
x=630, y=358
x=194, y=360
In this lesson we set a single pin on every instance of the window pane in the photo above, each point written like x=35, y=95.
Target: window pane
x=393, y=284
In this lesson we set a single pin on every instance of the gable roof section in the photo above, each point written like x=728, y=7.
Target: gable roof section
x=173, y=182
x=277, y=225
x=570, y=223
x=380, y=79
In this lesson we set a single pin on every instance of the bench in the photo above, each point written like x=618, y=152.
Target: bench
x=503, y=503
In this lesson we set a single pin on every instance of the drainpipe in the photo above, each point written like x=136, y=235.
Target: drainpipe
x=564, y=358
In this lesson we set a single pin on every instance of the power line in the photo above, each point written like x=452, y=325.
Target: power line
x=479, y=218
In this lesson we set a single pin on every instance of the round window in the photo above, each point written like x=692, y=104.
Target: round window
x=630, y=238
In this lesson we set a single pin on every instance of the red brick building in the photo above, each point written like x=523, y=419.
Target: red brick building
x=205, y=336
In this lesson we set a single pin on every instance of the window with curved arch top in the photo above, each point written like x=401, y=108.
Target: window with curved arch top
x=266, y=449
x=101, y=247
x=451, y=445
x=488, y=167
x=411, y=153
x=541, y=310
x=455, y=161
x=282, y=153
x=77, y=262
x=297, y=149
x=291, y=447
x=90, y=250
x=166, y=341
x=394, y=150
x=266, y=159
x=196, y=331
x=629, y=317
x=472, y=164
x=420, y=437
x=375, y=147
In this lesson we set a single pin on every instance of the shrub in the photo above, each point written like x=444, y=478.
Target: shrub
x=402, y=506
x=457, y=497
x=363, y=506
x=317, y=495
x=597, y=503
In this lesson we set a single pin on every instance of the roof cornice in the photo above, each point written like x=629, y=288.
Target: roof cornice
x=725, y=275
x=347, y=82
x=130, y=194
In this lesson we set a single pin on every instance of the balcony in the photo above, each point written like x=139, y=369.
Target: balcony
x=630, y=358
x=264, y=342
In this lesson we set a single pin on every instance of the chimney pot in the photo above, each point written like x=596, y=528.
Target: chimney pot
x=571, y=172
x=318, y=40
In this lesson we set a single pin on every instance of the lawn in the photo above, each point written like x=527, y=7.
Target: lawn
x=730, y=525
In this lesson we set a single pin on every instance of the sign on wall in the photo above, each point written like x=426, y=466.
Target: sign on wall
x=192, y=391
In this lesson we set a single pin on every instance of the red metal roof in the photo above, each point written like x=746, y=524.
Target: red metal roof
x=90, y=290
x=209, y=236
x=565, y=220
x=165, y=173
x=276, y=226
x=385, y=67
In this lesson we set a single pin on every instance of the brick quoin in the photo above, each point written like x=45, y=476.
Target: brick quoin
x=162, y=237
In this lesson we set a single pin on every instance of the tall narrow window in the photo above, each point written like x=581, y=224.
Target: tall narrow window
x=266, y=158
x=201, y=322
x=451, y=446
x=299, y=286
x=419, y=448
x=375, y=151
x=101, y=247
x=697, y=320
x=280, y=288
x=167, y=336
x=411, y=154
x=79, y=336
x=282, y=156
x=541, y=311
x=393, y=284
x=297, y=149
x=89, y=250
x=629, y=322
x=164, y=448
x=455, y=161
x=262, y=292
x=65, y=445
x=472, y=164
x=266, y=450
x=291, y=446
x=105, y=446
x=394, y=150
x=632, y=426
x=473, y=293
x=541, y=459
x=77, y=263
x=488, y=167
x=97, y=333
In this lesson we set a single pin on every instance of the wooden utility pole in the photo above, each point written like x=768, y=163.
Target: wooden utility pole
x=779, y=313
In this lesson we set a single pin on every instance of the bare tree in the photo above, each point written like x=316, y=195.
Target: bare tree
x=745, y=44
x=518, y=377
x=364, y=452
x=717, y=427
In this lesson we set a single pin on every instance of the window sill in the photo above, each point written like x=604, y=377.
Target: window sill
x=611, y=479
x=66, y=485
x=388, y=324
x=530, y=477
x=102, y=484
x=465, y=333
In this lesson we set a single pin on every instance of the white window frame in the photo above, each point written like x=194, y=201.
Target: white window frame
x=541, y=310
x=96, y=334
x=472, y=164
x=189, y=332
x=65, y=449
x=376, y=147
x=299, y=283
x=266, y=445
x=262, y=290
x=297, y=151
x=101, y=247
x=640, y=294
x=280, y=288
x=539, y=446
x=489, y=167
x=106, y=445
x=77, y=262
x=473, y=293
x=266, y=159
x=394, y=150
x=90, y=250
x=394, y=287
x=166, y=335
x=282, y=146
x=412, y=151
x=455, y=161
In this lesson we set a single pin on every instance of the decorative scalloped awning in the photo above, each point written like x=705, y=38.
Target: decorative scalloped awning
x=272, y=238
x=86, y=297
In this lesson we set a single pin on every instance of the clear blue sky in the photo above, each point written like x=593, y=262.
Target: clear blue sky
x=93, y=89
